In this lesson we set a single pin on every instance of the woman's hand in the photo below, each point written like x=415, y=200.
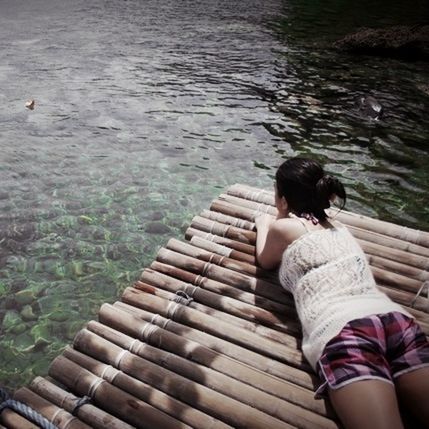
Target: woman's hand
x=264, y=221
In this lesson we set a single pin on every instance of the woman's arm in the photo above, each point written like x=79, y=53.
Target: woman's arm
x=270, y=243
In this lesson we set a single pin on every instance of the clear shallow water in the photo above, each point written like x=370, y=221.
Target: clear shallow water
x=146, y=110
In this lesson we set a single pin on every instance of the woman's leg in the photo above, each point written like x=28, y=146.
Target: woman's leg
x=369, y=404
x=413, y=392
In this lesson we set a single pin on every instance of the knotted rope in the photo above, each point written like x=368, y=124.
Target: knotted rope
x=24, y=410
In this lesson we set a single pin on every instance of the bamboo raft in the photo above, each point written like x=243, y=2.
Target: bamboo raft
x=206, y=339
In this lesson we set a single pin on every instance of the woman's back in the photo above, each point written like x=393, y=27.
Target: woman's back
x=327, y=272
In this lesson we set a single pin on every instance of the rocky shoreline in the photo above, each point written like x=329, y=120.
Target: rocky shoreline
x=405, y=42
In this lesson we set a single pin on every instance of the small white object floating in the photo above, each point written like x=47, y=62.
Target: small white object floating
x=30, y=104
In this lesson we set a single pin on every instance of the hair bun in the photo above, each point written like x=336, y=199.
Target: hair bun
x=327, y=188
x=324, y=188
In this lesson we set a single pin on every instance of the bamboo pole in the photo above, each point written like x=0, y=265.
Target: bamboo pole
x=233, y=244
x=232, y=316
x=419, y=311
x=382, y=227
x=175, y=366
x=398, y=267
x=209, y=324
x=278, y=327
x=250, y=284
x=246, y=356
x=358, y=229
x=88, y=413
x=221, y=288
x=217, y=228
x=251, y=193
x=392, y=243
x=152, y=395
x=397, y=255
x=109, y=397
x=404, y=298
x=246, y=211
x=199, y=396
x=188, y=349
x=254, y=209
x=230, y=220
x=56, y=415
x=391, y=230
x=13, y=420
x=221, y=260
x=221, y=250
x=396, y=280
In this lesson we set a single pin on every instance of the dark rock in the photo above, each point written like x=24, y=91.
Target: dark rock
x=370, y=107
x=407, y=42
x=156, y=228
x=157, y=215
x=19, y=232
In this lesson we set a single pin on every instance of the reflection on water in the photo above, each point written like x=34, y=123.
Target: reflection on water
x=145, y=110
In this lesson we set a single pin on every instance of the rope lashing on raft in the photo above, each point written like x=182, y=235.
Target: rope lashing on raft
x=425, y=285
x=81, y=401
x=24, y=410
x=181, y=297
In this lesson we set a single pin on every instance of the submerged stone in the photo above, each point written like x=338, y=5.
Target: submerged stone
x=158, y=215
x=18, y=329
x=24, y=297
x=157, y=228
x=10, y=320
x=27, y=313
x=409, y=42
x=3, y=289
x=40, y=331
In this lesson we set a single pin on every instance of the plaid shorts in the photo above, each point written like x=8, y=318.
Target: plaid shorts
x=382, y=347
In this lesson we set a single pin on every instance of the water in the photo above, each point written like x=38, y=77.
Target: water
x=146, y=110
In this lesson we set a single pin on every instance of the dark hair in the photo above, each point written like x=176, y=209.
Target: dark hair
x=306, y=187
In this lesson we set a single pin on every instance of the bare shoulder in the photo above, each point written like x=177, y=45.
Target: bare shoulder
x=288, y=228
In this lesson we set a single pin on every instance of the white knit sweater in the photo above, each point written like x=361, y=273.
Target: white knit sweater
x=332, y=284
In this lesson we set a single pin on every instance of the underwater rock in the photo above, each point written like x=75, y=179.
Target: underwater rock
x=10, y=320
x=30, y=104
x=156, y=216
x=40, y=331
x=423, y=88
x=19, y=232
x=18, y=329
x=27, y=313
x=14, y=246
x=370, y=106
x=3, y=289
x=157, y=228
x=24, y=297
x=58, y=316
x=407, y=42
x=38, y=346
